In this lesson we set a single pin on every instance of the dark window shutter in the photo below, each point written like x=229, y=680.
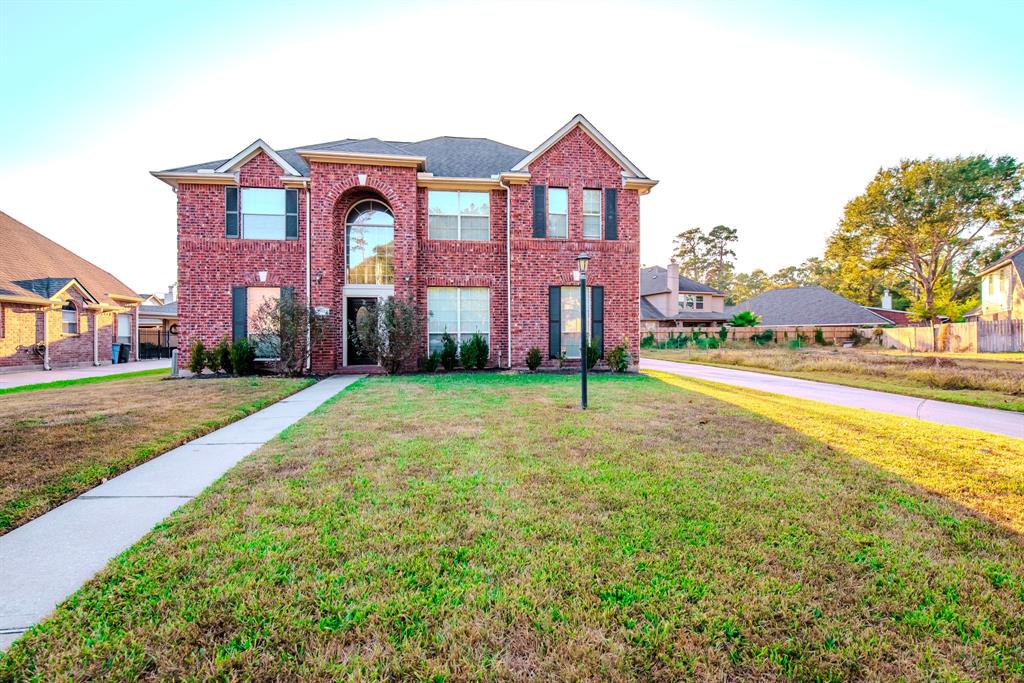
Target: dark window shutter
x=287, y=294
x=231, y=212
x=291, y=211
x=597, y=318
x=611, y=214
x=540, y=210
x=239, y=322
x=554, y=322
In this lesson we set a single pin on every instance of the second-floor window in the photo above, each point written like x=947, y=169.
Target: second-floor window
x=692, y=302
x=591, y=214
x=458, y=215
x=259, y=213
x=558, y=212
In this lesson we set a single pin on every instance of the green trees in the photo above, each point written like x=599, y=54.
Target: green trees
x=707, y=257
x=921, y=228
x=745, y=319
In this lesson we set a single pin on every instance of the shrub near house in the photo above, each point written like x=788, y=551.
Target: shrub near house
x=480, y=236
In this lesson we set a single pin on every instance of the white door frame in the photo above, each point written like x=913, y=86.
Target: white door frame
x=358, y=292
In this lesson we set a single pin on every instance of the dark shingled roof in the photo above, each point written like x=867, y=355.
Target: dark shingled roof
x=166, y=309
x=450, y=157
x=44, y=286
x=806, y=306
x=654, y=280
x=649, y=312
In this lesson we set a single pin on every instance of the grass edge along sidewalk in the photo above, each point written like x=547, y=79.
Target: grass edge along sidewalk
x=483, y=526
x=894, y=385
x=61, y=383
x=32, y=501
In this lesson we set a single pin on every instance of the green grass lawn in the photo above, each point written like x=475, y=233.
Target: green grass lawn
x=61, y=439
x=989, y=383
x=483, y=527
x=98, y=379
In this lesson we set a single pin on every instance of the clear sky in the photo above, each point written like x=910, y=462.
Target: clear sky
x=763, y=116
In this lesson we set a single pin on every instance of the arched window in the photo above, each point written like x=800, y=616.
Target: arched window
x=69, y=318
x=370, y=244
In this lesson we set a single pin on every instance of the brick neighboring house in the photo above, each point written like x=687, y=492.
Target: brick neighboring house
x=668, y=299
x=482, y=236
x=56, y=308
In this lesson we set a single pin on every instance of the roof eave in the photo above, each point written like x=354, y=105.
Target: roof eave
x=361, y=158
x=175, y=178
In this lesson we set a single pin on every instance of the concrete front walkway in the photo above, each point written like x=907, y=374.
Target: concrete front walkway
x=986, y=419
x=17, y=379
x=48, y=559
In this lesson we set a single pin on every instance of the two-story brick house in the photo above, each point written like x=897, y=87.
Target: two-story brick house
x=482, y=236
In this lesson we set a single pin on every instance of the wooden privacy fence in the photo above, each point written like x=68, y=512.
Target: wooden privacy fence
x=984, y=336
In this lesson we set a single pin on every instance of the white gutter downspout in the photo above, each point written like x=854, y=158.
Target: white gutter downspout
x=95, y=339
x=508, y=266
x=309, y=300
x=46, y=340
x=135, y=344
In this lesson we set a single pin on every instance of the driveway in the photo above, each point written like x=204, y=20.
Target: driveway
x=985, y=419
x=17, y=379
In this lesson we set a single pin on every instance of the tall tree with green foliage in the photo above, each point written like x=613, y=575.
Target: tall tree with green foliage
x=922, y=222
x=688, y=253
x=720, y=255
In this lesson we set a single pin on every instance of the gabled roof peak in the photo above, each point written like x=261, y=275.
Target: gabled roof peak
x=580, y=121
x=257, y=146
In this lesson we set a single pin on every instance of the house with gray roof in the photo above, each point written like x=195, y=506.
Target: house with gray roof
x=806, y=306
x=482, y=236
x=668, y=299
x=1002, y=289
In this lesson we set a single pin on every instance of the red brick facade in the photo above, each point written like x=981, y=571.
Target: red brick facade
x=210, y=264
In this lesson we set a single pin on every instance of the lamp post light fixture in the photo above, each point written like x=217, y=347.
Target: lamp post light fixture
x=581, y=265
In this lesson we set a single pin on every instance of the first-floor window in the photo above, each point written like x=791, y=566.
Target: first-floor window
x=259, y=302
x=459, y=311
x=69, y=318
x=570, y=317
x=124, y=328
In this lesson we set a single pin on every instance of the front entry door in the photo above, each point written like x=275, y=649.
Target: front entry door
x=352, y=306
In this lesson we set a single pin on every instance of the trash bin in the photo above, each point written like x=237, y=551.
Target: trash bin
x=122, y=356
x=115, y=353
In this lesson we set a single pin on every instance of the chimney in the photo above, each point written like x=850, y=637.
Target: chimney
x=886, y=299
x=673, y=288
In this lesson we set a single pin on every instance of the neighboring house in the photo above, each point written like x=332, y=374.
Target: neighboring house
x=668, y=299
x=56, y=308
x=482, y=236
x=1002, y=289
x=158, y=330
x=810, y=306
x=152, y=299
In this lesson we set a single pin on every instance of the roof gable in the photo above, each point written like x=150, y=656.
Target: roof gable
x=580, y=121
x=257, y=146
x=1016, y=257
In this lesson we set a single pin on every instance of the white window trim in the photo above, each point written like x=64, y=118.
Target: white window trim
x=249, y=335
x=547, y=232
x=368, y=287
x=78, y=320
x=599, y=214
x=458, y=216
x=458, y=334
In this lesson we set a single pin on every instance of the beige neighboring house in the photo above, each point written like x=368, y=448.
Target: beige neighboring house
x=667, y=299
x=1002, y=289
x=158, y=324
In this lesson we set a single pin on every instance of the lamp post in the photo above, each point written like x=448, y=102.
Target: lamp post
x=581, y=264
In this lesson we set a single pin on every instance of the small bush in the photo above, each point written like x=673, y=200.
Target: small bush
x=763, y=337
x=819, y=336
x=223, y=353
x=593, y=353
x=797, y=343
x=619, y=358
x=213, y=360
x=449, y=352
x=243, y=357
x=708, y=343
x=648, y=341
x=431, y=362
x=723, y=333
x=473, y=352
x=533, y=358
x=197, y=357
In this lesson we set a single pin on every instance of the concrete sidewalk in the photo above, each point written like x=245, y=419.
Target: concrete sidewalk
x=991, y=420
x=17, y=379
x=48, y=559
